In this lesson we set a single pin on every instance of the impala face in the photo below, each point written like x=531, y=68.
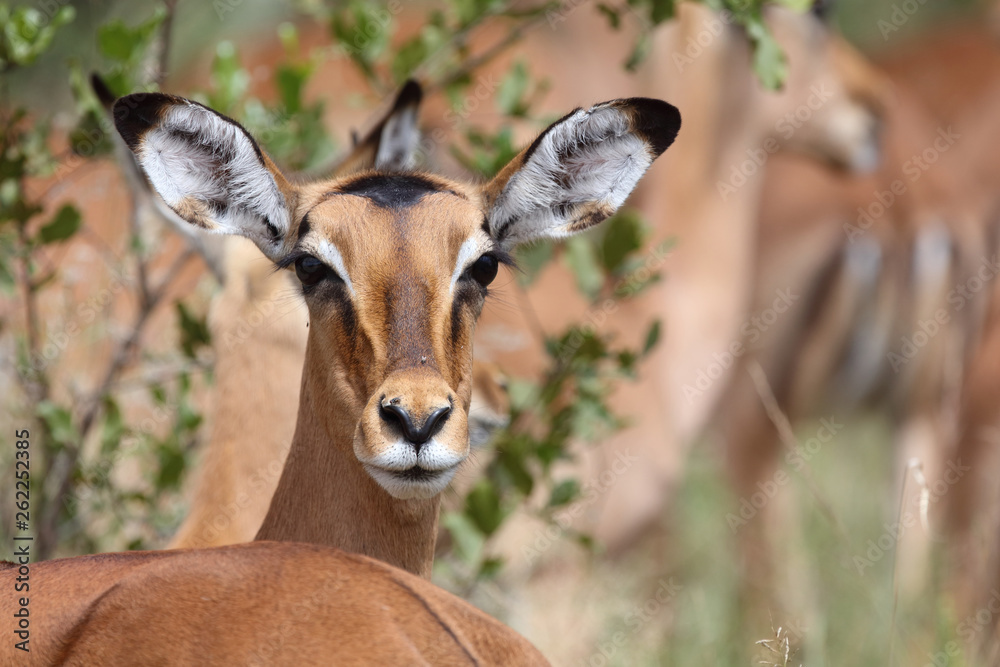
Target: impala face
x=394, y=266
x=831, y=104
x=395, y=269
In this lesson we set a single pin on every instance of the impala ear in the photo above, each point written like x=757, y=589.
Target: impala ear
x=392, y=144
x=579, y=171
x=207, y=168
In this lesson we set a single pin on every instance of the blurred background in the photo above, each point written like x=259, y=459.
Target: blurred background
x=751, y=419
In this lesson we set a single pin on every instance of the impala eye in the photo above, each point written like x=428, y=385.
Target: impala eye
x=484, y=269
x=310, y=270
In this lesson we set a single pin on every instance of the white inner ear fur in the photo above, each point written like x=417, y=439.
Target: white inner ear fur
x=398, y=144
x=194, y=153
x=329, y=253
x=591, y=157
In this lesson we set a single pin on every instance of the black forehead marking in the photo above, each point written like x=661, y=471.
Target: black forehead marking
x=390, y=190
x=304, y=226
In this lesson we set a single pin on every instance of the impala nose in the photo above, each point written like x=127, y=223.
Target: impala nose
x=393, y=412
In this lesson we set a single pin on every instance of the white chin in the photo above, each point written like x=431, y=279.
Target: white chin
x=399, y=485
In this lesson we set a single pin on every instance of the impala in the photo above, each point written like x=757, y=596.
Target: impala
x=394, y=268
x=259, y=325
x=869, y=290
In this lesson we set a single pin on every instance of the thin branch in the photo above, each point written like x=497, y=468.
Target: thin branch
x=528, y=309
x=166, y=30
x=787, y=437
x=127, y=347
x=37, y=387
x=513, y=36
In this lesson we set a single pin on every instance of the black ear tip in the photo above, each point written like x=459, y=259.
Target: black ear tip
x=657, y=120
x=134, y=114
x=100, y=88
x=410, y=94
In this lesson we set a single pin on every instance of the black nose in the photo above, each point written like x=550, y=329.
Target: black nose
x=393, y=412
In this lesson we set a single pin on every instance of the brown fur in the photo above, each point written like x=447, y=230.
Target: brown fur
x=254, y=604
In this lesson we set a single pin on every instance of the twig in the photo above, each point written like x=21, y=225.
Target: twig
x=470, y=65
x=37, y=386
x=125, y=349
x=166, y=30
x=787, y=437
x=529, y=312
x=895, y=562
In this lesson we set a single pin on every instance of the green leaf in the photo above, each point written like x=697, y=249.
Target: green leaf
x=769, y=60
x=114, y=427
x=194, y=331
x=172, y=464
x=482, y=505
x=513, y=87
x=126, y=45
x=65, y=223
x=490, y=568
x=564, y=493
x=624, y=234
x=512, y=457
x=468, y=538
x=26, y=33
x=640, y=52
x=531, y=259
x=652, y=338
x=661, y=10
x=523, y=394
x=581, y=258
x=59, y=421
x=158, y=393
x=114, y=41
x=229, y=80
x=7, y=282
x=413, y=52
x=614, y=18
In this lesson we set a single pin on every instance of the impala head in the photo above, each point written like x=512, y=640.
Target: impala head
x=831, y=104
x=394, y=265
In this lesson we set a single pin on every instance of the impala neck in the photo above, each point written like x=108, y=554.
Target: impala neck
x=325, y=496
